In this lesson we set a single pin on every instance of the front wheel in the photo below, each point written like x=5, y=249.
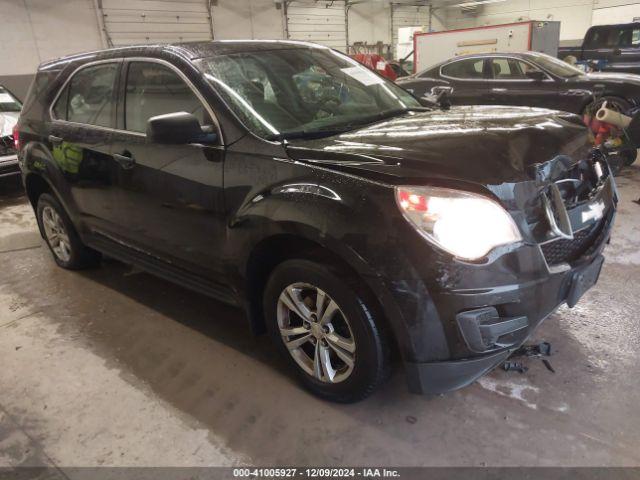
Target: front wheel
x=326, y=331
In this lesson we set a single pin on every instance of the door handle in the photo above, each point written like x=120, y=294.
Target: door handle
x=125, y=161
x=55, y=140
x=498, y=90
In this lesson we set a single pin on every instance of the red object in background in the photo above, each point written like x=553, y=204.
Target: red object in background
x=376, y=63
x=601, y=131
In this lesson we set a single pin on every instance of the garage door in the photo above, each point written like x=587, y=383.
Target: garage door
x=321, y=22
x=129, y=22
x=406, y=16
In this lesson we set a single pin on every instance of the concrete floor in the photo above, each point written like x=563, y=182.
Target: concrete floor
x=115, y=367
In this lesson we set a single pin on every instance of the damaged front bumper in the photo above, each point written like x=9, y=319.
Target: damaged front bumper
x=487, y=324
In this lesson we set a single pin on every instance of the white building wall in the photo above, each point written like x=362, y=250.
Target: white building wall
x=241, y=19
x=369, y=22
x=32, y=31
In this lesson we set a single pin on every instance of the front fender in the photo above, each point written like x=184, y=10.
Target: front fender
x=339, y=220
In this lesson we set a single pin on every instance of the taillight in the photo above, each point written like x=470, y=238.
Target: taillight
x=16, y=138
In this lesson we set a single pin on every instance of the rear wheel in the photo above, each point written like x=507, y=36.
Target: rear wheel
x=325, y=330
x=61, y=236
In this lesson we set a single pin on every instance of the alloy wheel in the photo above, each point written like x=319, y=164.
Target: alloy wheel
x=316, y=333
x=56, y=234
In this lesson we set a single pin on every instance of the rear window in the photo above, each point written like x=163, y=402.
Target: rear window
x=470, y=68
x=625, y=36
x=88, y=97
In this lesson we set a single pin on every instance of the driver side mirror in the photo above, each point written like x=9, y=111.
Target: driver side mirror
x=536, y=75
x=441, y=91
x=438, y=97
x=176, y=129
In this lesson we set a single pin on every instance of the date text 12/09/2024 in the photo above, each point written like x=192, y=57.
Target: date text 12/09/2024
x=365, y=472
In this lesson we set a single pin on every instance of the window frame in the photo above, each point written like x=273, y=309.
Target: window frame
x=65, y=85
x=122, y=89
x=118, y=100
x=484, y=77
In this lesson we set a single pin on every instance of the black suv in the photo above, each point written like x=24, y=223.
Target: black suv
x=346, y=218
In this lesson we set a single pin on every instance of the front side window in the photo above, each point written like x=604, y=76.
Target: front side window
x=471, y=68
x=154, y=89
x=8, y=103
x=88, y=98
x=554, y=65
x=296, y=91
x=613, y=37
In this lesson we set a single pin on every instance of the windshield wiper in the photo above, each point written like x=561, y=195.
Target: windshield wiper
x=327, y=132
x=307, y=134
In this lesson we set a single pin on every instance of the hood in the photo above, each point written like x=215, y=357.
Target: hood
x=488, y=145
x=8, y=120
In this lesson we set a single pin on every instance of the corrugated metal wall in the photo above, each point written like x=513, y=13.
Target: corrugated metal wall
x=406, y=16
x=322, y=22
x=155, y=21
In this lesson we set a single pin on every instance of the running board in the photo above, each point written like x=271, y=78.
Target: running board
x=162, y=269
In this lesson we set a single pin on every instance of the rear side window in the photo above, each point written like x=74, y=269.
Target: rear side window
x=153, y=89
x=88, y=97
x=471, y=68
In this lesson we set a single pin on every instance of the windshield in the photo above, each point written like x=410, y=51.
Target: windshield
x=556, y=66
x=8, y=103
x=299, y=91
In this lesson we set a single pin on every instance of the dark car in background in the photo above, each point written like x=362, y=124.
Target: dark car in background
x=528, y=79
x=9, y=112
x=608, y=48
x=344, y=217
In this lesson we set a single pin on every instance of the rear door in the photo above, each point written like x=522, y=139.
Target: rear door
x=509, y=84
x=173, y=193
x=468, y=79
x=83, y=117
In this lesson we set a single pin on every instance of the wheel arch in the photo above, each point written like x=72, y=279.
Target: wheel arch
x=35, y=185
x=275, y=249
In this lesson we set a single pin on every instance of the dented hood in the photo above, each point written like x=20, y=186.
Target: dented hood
x=488, y=145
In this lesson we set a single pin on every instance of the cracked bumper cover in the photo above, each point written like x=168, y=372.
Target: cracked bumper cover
x=538, y=301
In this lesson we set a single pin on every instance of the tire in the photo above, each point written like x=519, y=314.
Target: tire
x=58, y=231
x=353, y=326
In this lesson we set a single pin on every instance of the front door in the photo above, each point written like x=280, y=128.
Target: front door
x=173, y=193
x=509, y=85
x=80, y=144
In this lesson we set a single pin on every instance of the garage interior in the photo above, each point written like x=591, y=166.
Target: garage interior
x=115, y=367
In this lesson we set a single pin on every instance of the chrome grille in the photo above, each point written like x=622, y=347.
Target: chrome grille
x=564, y=250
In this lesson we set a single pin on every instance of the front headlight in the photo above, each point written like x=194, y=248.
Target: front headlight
x=464, y=224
